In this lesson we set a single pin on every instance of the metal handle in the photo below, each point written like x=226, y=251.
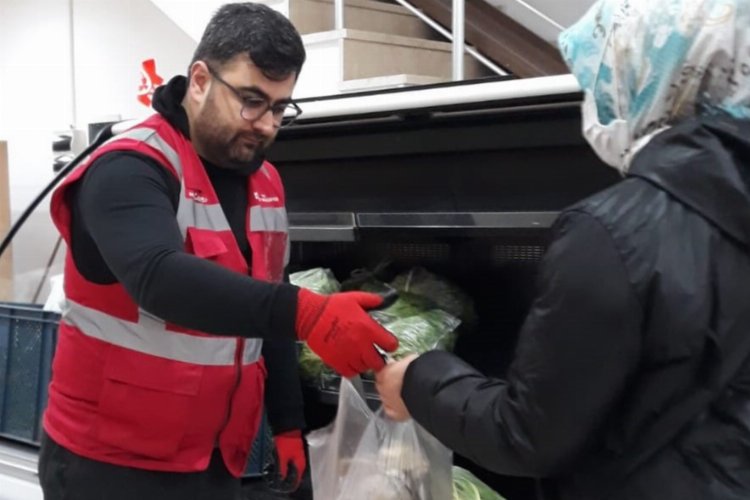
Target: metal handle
x=338, y=13
x=458, y=39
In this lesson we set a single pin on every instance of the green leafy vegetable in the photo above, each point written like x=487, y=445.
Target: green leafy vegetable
x=424, y=317
x=319, y=280
x=311, y=366
x=466, y=486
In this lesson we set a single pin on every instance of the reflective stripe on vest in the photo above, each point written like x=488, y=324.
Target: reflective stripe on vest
x=150, y=336
x=268, y=219
x=150, y=137
x=199, y=215
x=191, y=213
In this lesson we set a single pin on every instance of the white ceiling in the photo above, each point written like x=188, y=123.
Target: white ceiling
x=544, y=17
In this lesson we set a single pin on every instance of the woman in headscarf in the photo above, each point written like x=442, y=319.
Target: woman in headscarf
x=632, y=376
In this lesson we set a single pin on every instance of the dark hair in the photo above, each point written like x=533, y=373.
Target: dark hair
x=270, y=40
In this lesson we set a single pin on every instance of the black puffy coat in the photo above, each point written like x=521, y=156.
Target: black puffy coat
x=637, y=292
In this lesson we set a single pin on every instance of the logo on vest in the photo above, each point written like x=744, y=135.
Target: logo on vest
x=196, y=195
x=264, y=198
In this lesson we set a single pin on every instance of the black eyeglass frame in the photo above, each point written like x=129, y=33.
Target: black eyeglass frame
x=283, y=120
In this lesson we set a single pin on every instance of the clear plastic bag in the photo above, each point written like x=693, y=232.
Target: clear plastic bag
x=442, y=292
x=318, y=279
x=428, y=330
x=364, y=455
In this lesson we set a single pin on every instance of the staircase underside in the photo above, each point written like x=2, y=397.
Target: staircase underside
x=500, y=38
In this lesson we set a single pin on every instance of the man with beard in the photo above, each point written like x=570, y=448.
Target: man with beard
x=176, y=310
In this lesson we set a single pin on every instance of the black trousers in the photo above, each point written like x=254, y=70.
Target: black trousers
x=67, y=476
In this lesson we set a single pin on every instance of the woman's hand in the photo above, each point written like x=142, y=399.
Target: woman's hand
x=389, y=381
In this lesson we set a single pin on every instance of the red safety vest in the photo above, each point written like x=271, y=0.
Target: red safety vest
x=131, y=389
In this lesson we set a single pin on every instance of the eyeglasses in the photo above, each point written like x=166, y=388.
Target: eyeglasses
x=255, y=106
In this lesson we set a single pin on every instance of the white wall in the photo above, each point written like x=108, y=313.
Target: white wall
x=193, y=15
x=35, y=88
x=112, y=38
x=322, y=73
x=35, y=99
x=38, y=62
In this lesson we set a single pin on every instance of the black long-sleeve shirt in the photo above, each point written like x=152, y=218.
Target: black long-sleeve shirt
x=124, y=230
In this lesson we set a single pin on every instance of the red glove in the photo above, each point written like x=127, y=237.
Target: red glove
x=289, y=448
x=337, y=328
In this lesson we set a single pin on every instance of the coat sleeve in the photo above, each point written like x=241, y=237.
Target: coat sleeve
x=577, y=349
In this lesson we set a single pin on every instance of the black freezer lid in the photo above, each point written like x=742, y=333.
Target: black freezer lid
x=499, y=154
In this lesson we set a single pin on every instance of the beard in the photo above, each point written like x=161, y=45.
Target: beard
x=223, y=145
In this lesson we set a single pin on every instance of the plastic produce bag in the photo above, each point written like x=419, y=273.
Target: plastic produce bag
x=414, y=319
x=56, y=299
x=444, y=294
x=318, y=279
x=362, y=454
x=428, y=330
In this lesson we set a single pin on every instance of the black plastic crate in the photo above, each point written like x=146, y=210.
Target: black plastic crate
x=27, y=342
x=262, y=452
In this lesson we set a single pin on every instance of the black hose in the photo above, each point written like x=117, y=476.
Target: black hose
x=102, y=136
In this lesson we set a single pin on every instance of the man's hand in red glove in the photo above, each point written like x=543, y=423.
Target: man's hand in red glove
x=337, y=328
x=289, y=449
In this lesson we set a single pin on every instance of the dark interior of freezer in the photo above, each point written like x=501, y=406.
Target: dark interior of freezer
x=467, y=192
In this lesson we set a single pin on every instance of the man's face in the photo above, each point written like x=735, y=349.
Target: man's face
x=232, y=123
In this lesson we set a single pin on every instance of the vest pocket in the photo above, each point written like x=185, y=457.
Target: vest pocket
x=205, y=243
x=145, y=403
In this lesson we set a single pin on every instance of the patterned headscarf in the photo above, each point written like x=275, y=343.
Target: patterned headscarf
x=654, y=62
